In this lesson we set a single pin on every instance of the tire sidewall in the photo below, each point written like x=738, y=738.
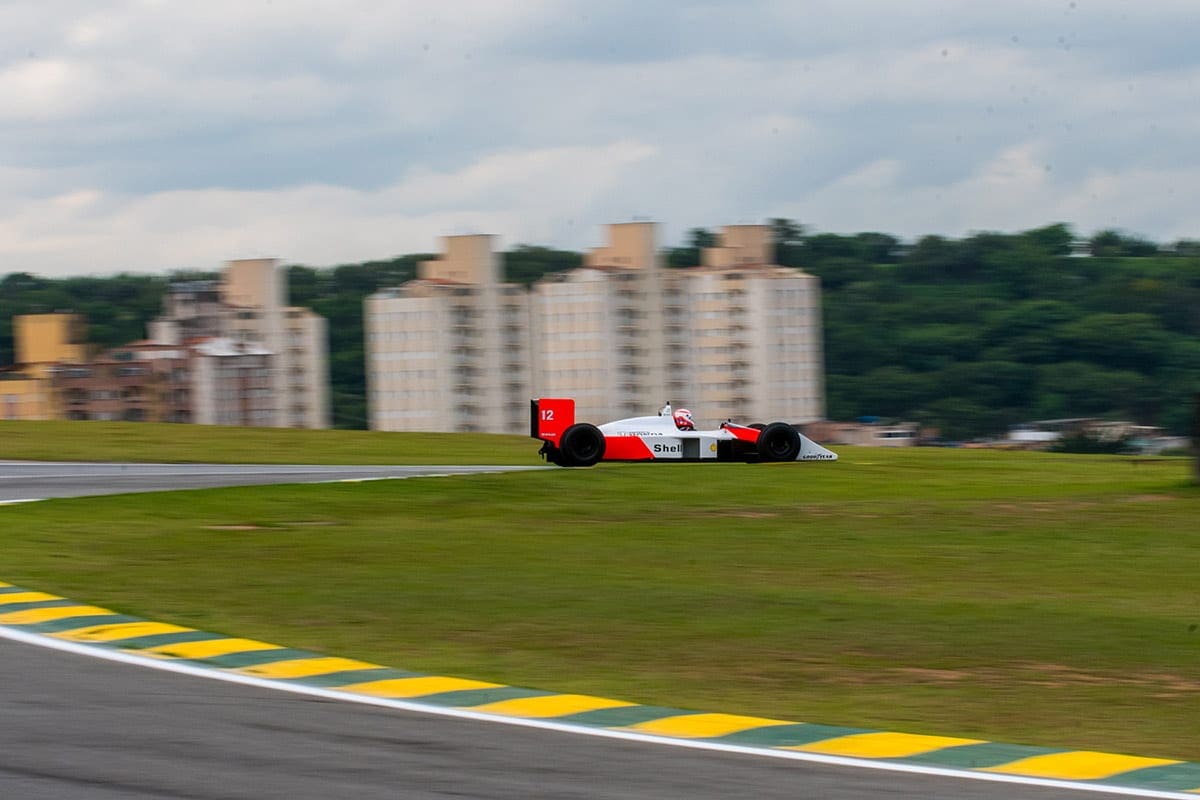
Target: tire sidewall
x=581, y=445
x=779, y=441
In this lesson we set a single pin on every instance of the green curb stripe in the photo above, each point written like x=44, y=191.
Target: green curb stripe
x=74, y=623
x=621, y=717
x=1184, y=776
x=57, y=602
x=334, y=680
x=251, y=658
x=470, y=698
x=787, y=735
x=160, y=639
x=318, y=670
x=981, y=756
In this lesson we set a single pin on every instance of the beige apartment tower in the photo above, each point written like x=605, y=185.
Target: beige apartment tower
x=596, y=331
x=735, y=338
x=45, y=339
x=449, y=351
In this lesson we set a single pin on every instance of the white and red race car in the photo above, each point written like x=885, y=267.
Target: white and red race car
x=668, y=436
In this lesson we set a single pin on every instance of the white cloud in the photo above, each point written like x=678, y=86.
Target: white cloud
x=146, y=134
x=516, y=194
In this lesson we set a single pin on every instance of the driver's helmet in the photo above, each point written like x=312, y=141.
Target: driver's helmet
x=683, y=420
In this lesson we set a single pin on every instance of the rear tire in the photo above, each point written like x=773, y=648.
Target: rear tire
x=778, y=441
x=581, y=445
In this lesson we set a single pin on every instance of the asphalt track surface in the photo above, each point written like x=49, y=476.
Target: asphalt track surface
x=74, y=727
x=26, y=480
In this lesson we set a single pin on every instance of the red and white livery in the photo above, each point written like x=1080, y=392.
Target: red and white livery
x=670, y=435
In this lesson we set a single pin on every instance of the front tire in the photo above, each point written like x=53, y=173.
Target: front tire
x=581, y=445
x=778, y=441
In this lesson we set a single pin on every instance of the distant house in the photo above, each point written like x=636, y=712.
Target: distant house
x=1042, y=434
x=865, y=434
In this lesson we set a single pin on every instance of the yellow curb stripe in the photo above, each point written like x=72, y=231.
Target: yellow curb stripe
x=883, y=745
x=305, y=667
x=416, y=687
x=555, y=705
x=208, y=648
x=116, y=632
x=1078, y=765
x=33, y=616
x=703, y=726
x=26, y=597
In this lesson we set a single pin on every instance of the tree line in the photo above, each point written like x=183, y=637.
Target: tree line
x=967, y=335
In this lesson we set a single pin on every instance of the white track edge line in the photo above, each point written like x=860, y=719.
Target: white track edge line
x=93, y=651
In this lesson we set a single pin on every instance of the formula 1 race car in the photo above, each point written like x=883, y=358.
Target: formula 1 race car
x=668, y=436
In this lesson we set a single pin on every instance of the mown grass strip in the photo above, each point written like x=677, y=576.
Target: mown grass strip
x=1026, y=598
x=166, y=443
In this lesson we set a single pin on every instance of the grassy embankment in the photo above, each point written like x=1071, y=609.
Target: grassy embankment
x=1027, y=598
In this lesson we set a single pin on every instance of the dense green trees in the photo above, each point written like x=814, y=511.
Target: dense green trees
x=968, y=335
x=977, y=334
x=117, y=308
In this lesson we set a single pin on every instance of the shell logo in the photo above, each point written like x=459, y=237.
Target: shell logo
x=712, y=448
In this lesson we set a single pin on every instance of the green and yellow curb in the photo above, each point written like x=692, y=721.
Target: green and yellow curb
x=64, y=620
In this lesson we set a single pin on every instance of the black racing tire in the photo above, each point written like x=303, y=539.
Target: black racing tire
x=581, y=445
x=758, y=426
x=778, y=441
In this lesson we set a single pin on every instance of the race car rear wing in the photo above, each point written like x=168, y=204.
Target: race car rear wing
x=549, y=417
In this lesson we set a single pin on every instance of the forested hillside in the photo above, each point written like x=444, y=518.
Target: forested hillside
x=976, y=334
x=969, y=335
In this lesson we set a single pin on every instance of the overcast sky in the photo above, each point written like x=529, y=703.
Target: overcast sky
x=147, y=135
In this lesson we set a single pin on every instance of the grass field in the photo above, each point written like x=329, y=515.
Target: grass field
x=149, y=441
x=1028, y=598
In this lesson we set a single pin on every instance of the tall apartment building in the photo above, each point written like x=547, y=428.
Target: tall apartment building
x=736, y=337
x=449, y=351
x=744, y=335
x=249, y=306
x=596, y=332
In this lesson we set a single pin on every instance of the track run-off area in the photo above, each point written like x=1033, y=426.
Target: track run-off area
x=93, y=727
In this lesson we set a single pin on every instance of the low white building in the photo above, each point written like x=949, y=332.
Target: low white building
x=231, y=383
